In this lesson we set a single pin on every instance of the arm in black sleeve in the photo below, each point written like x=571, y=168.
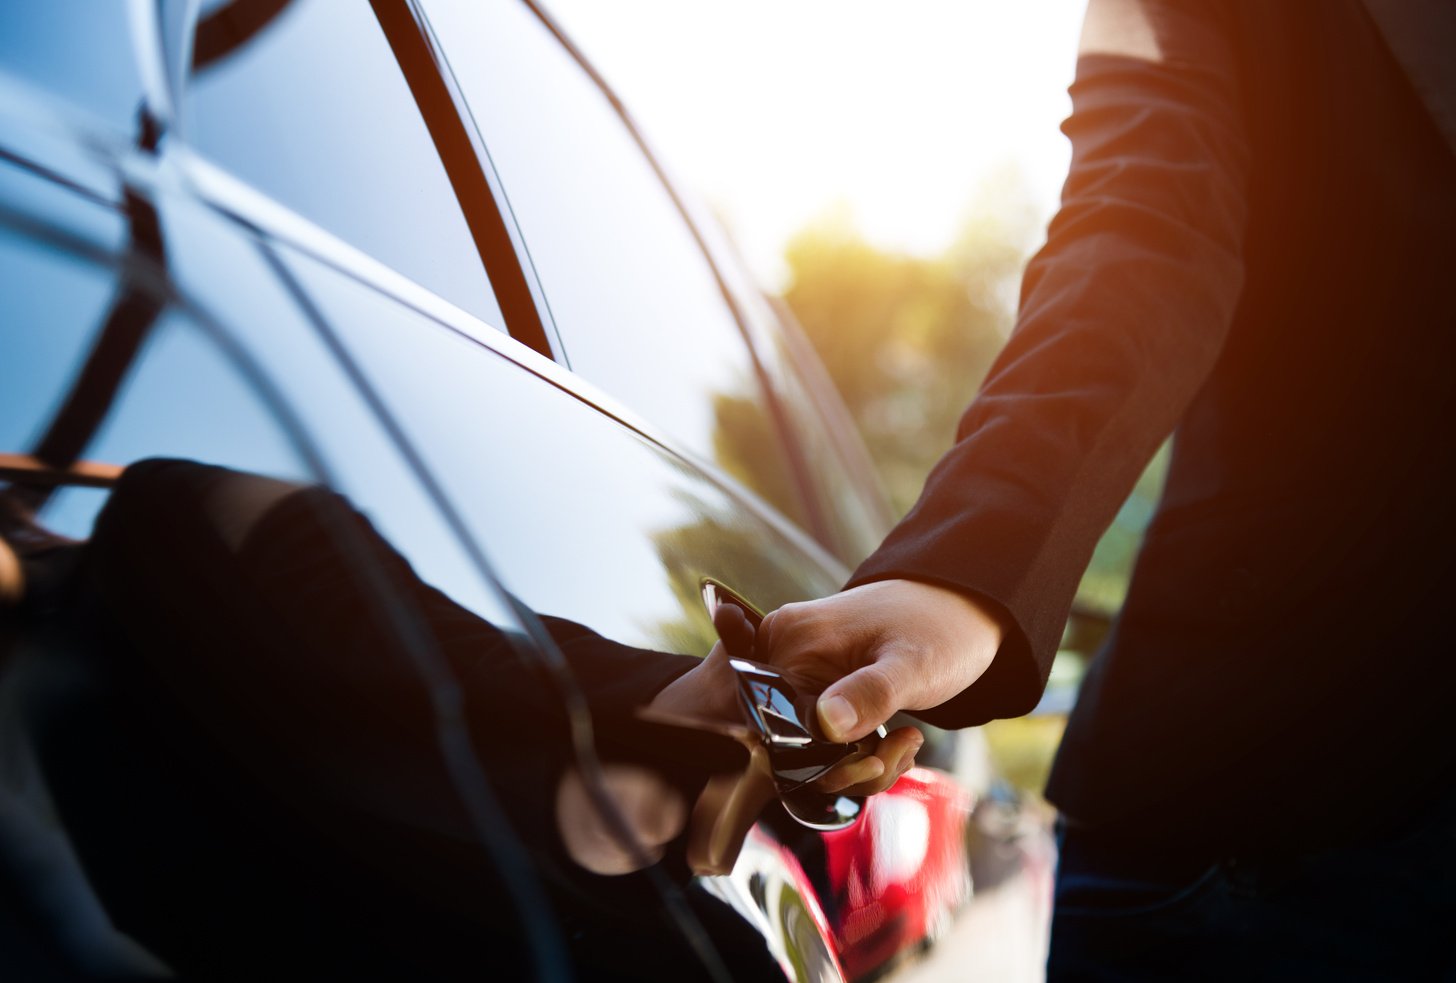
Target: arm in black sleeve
x=1123, y=314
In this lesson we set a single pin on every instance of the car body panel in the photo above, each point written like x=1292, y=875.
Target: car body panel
x=517, y=488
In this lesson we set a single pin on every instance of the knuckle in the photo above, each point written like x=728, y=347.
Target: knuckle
x=790, y=630
x=878, y=687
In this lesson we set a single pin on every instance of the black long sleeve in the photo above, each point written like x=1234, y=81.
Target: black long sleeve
x=1123, y=315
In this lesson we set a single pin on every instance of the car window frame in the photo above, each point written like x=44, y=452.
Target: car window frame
x=807, y=491
x=150, y=184
x=474, y=186
x=481, y=197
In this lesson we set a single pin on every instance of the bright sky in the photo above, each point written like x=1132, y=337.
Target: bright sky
x=778, y=111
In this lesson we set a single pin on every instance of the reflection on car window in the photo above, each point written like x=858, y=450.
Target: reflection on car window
x=182, y=399
x=584, y=520
x=314, y=110
x=55, y=304
x=255, y=626
x=854, y=508
x=185, y=399
x=251, y=762
x=297, y=659
x=77, y=50
x=634, y=300
x=272, y=742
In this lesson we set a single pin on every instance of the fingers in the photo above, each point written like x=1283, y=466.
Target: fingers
x=860, y=772
x=707, y=690
x=809, y=642
x=818, y=646
x=853, y=707
x=652, y=810
x=894, y=756
x=735, y=630
x=881, y=647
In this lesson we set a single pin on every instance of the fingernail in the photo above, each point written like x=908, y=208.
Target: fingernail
x=837, y=716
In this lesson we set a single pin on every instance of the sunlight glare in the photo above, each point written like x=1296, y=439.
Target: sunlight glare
x=905, y=116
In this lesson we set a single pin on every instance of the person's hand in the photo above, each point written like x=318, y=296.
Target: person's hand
x=652, y=810
x=880, y=648
x=709, y=691
x=874, y=773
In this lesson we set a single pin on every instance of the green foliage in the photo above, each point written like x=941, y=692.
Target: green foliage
x=1104, y=586
x=906, y=339
x=746, y=445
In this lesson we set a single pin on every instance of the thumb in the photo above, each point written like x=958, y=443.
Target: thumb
x=857, y=704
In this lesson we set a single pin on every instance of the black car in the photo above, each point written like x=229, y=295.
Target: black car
x=374, y=411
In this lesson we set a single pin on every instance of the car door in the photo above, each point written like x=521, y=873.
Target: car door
x=144, y=837
x=626, y=287
x=643, y=308
x=578, y=540
x=242, y=358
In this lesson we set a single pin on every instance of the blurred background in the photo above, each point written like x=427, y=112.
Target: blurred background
x=886, y=170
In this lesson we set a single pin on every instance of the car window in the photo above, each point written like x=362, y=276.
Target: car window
x=854, y=512
x=305, y=681
x=278, y=473
x=79, y=51
x=636, y=305
x=854, y=506
x=584, y=520
x=55, y=305
x=182, y=398
x=314, y=110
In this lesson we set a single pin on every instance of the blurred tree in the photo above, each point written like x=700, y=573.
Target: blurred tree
x=907, y=338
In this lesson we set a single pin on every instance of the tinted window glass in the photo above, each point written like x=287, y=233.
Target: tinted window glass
x=185, y=400
x=635, y=302
x=314, y=110
x=583, y=519
x=55, y=305
x=182, y=399
x=78, y=50
x=852, y=505
x=286, y=638
x=308, y=770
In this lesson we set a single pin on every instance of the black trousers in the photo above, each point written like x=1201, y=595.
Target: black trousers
x=1378, y=909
